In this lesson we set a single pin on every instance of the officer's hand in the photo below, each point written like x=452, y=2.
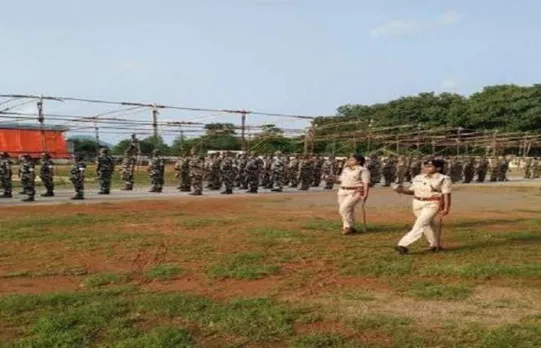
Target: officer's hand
x=444, y=212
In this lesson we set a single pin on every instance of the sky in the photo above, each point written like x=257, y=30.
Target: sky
x=303, y=57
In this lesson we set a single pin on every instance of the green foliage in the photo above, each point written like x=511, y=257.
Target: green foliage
x=164, y=272
x=103, y=279
x=85, y=147
x=242, y=266
x=320, y=341
x=508, y=108
x=432, y=291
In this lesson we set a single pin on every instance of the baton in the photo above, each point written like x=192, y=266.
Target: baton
x=364, y=217
x=440, y=229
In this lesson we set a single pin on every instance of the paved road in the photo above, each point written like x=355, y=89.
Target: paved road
x=63, y=195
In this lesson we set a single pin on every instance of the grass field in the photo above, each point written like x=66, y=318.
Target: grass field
x=270, y=272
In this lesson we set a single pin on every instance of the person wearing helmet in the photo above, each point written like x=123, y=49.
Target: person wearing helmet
x=46, y=174
x=77, y=177
x=104, y=170
x=228, y=177
x=28, y=176
x=277, y=168
x=156, y=169
x=6, y=174
x=197, y=171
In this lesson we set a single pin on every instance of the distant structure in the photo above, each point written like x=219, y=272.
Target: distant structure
x=17, y=139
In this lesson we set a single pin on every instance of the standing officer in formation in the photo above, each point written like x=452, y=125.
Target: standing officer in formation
x=104, y=170
x=305, y=176
x=156, y=169
x=293, y=172
x=374, y=167
x=228, y=175
x=128, y=163
x=431, y=193
x=182, y=167
x=254, y=167
x=197, y=165
x=389, y=170
x=277, y=168
x=317, y=171
x=28, y=177
x=469, y=170
x=77, y=177
x=327, y=170
x=46, y=174
x=6, y=174
x=354, y=187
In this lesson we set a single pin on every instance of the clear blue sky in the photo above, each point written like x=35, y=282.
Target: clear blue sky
x=288, y=56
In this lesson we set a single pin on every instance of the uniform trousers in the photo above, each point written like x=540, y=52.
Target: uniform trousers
x=427, y=223
x=347, y=201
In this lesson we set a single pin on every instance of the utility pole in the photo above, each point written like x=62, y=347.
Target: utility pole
x=155, y=114
x=370, y=135
x=243, y=131
x=433, y=146
x=181, y=139
x=312, y=139
x=97, y=133
x=306, y=142
x=458, y=131
x=418, y=137
x=397, y=144
x=41, y=120
x=494, y=142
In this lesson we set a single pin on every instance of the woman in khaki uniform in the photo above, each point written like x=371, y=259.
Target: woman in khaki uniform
x=431, y=193
x=354, y=186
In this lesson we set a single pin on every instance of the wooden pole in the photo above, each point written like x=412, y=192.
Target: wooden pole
x=243, y=131
x=41, y=120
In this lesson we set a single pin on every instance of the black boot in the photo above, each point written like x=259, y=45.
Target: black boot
x=6, y=195
x=196, y=194
x=227, y=192
x=28, y=199
x=276, y=190
x=78, y=197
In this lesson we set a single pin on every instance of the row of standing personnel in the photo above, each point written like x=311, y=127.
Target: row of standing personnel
x=466, y=169
x=244, y=171
x=27, y=175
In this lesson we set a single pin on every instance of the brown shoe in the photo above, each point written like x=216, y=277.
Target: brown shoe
x=347, y=231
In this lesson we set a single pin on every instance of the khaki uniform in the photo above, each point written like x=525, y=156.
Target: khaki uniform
x=348, y=198
x=424, y=186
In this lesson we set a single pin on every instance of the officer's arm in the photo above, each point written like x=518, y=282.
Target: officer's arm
x=446, y=191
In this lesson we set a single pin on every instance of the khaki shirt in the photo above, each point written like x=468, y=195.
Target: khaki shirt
x=353, y=177
x=424, y=186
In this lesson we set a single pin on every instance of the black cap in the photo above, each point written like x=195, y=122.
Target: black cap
x=438, y=163
x=360, y=158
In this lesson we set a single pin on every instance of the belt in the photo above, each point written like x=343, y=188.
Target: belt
x=351, y=188
x=423, y=199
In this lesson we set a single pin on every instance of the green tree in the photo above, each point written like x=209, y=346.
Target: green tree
x=85, y=147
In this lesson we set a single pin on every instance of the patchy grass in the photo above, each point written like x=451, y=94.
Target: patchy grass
x=164, y=272
x=242, y=266
x=433, y=291
x=324, y=289
x=103, y=279
x=320, y=341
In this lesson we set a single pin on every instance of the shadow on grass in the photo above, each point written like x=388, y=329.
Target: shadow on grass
x=328, y=225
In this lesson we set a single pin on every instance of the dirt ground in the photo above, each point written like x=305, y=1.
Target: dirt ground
x=58, y=248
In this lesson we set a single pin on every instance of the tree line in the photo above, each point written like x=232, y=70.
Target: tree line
x=506, y=108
